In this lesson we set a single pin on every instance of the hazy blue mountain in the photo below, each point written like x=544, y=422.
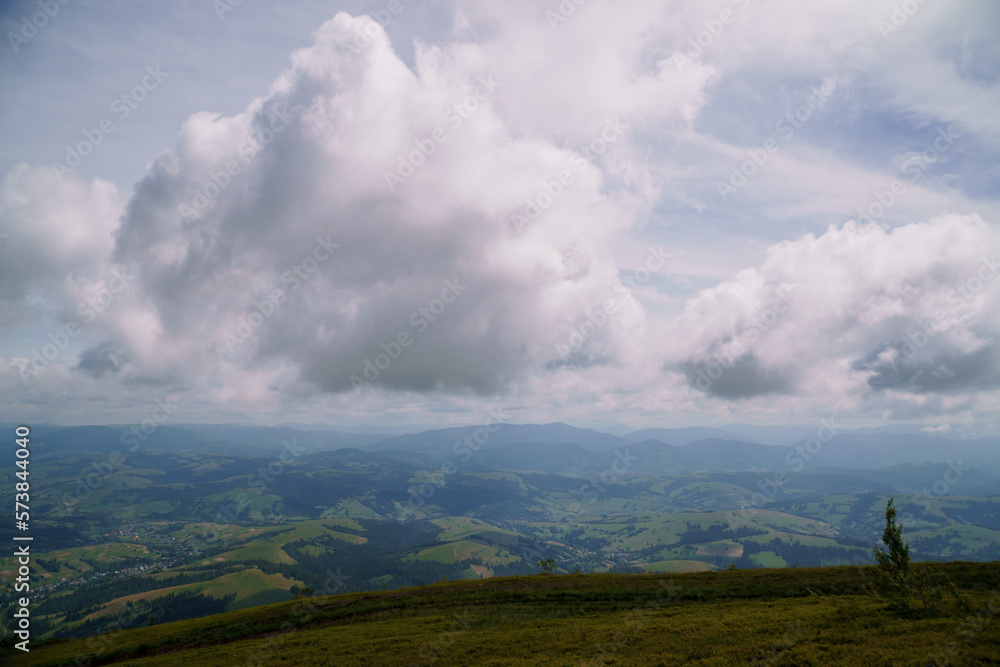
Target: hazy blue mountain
x=564, y=458
x=719, y=454
x=621, y=430
x=103, y=439
x=895, y=429
x=443, y=442
x=8, y=428
x=833, y=481
x=349, y=456
x=885, y=449
x=681, y=436
x=271, y=439
x=782, y=435
x=921, y=478
x=203, y=438
x=655, y=457
x=380, y=430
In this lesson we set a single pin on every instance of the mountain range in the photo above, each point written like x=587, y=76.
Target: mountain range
x=554, y=447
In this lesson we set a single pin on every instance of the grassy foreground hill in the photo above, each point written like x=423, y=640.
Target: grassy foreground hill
x=816, y=616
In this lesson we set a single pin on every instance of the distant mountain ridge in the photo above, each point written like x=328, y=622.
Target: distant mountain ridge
x=550, y=447
x=445, y=440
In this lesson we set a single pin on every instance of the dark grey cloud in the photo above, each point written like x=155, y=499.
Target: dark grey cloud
x=744, y=377
x=900, y=365
x=100, y=360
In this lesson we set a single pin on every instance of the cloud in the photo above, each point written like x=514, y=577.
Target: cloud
x=913, y=310
x=741, y=377
x=365, y=223
x=58, y=232
x=450, y=227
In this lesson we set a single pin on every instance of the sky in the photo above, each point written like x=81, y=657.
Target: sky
x=665, y=213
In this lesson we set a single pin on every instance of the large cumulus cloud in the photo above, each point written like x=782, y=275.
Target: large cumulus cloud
x=360, y=204
x=860, y=308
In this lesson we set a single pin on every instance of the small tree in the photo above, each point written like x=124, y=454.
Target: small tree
x=895, y=580
x=892, y=563
x=548, y=565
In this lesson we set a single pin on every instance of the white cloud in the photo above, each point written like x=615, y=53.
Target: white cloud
x=458, y=235
x=323, y=264
x=870, y=312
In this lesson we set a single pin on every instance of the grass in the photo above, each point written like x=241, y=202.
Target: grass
x=76, y=560
x=245, y=584
x=808, y=616
x=678, y=566
x=271, y=548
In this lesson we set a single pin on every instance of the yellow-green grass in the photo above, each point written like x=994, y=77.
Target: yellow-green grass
x=116, y=605
x=667, y=530
x=721, y=548
x=677, y=566
x=971, y=537
x=506, y=476
x=768, y=559
x=245, y=584
x=804, y=540
x=127, y=481
x=353, y=508
x=454, y=552
x=458, y=527
x=72, y=561
x=143, y=510
x=270, y=547
x=791, y=523
x=712, y=491
x=809, y=616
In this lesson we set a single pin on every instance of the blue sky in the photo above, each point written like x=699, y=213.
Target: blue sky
x=675, y=187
